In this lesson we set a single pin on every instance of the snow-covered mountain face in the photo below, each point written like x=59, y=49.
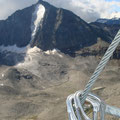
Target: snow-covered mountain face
x=113, y=21
x=101, y=20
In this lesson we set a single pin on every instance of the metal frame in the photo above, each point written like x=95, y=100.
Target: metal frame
x=76, y=110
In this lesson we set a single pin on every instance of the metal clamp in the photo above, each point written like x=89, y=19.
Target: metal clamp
x=76, y=110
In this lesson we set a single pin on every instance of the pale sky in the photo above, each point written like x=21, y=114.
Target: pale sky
x=89, y=10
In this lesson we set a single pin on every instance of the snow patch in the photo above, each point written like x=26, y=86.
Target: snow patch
x=37, y=19
x=33, y=50
x=3, y=75
x=53, y=52
x=116, y=18
x=29, y=58
x=33, y=58
x=2, y=84
x=32, y=54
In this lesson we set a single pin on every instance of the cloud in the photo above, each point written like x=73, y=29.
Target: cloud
x=89, y=10
x=7, y=7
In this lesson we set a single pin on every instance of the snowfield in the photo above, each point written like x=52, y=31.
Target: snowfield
x=37, y=19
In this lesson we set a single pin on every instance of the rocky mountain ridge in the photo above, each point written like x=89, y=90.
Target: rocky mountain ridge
x=57, y=28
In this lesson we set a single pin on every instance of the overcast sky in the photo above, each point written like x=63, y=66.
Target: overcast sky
x=89, y=10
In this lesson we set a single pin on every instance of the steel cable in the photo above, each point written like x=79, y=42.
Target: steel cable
x=100, y=67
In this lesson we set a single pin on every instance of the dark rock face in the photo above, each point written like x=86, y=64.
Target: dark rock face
x=105, y=31
x=63, y=30
x=10, y=59
x=60, y=29
x=16, y=29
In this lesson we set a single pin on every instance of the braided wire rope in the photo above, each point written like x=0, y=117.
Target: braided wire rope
x=100, y=67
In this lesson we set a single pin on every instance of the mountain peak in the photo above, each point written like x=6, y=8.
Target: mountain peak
x=115, y=18
x=42, y=2
x=47, y=27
